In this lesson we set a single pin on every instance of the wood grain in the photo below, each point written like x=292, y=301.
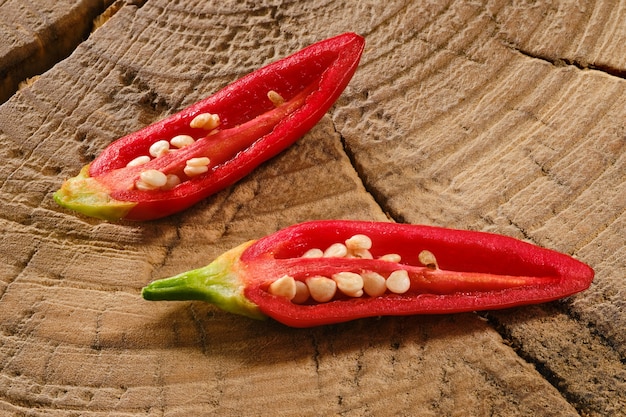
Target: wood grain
x=500, y=116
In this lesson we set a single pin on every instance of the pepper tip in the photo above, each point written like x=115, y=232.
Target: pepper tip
x=85, y=195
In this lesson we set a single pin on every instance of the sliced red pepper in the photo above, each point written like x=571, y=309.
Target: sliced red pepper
x=253, y=127
x=449, y=271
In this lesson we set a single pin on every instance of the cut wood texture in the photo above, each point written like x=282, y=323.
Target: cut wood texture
x=501, y=116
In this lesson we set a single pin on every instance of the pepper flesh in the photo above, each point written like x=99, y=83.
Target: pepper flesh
x=475, y=271
x=253, y=128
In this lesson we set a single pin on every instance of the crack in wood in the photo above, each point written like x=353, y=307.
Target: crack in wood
x=22, y=74
x=584, y=403
x=378, y=197
x=316, y=353
x=199, y=325
x=568, y=62
x=543, y=368
x=50, y=44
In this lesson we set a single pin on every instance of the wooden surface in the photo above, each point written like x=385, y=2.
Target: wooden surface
x=502, y=116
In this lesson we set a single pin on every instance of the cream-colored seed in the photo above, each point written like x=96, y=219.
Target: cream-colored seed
x=322, y=289
x=336, y=250
x=172, y=181
x=195, y=171
x=349, y=283
x=391, y=257
x=159, y=148
x=283, y=287
x=142, y=186
x=181, y=141
x=152, y=179
x=373, y=283
x=206, y=121
x=398, y=282
x=358, y=242
x=427, y=258
x=302, y=293
x=140, y=160
x=275, y=98
x=313, y=253
x=196, y=166
x=198, y=162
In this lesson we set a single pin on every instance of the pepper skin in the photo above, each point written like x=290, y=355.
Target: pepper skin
x=470, y=271
x=259, y=115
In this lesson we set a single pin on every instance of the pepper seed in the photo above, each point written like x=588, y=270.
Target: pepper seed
x=357, y=242
x=275, y=98
x=197, y=166
x=198, y=162
x=159, y=148
x=283, y=287
x=302, y=293
x=313, y=253
x=206, y=121
x=349, y=283
x=172, y=181
x=180, y=141
x=192, y=171
x=140, y=160
x=398, y=282
x=322, y=289
x=373, y=283
x=427, y=258
x=391, y=257
x=336, y=250
x=151, y=180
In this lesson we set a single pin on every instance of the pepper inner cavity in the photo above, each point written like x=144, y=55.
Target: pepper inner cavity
x=156, y=180
x=347, y=283
x=194, y=166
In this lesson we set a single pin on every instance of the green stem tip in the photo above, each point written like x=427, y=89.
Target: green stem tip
x=217, y=283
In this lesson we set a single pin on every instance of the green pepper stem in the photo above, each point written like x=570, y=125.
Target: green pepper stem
x=217, y=283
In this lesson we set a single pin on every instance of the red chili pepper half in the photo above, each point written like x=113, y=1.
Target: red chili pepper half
x=333, y=271
x=176, y=162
